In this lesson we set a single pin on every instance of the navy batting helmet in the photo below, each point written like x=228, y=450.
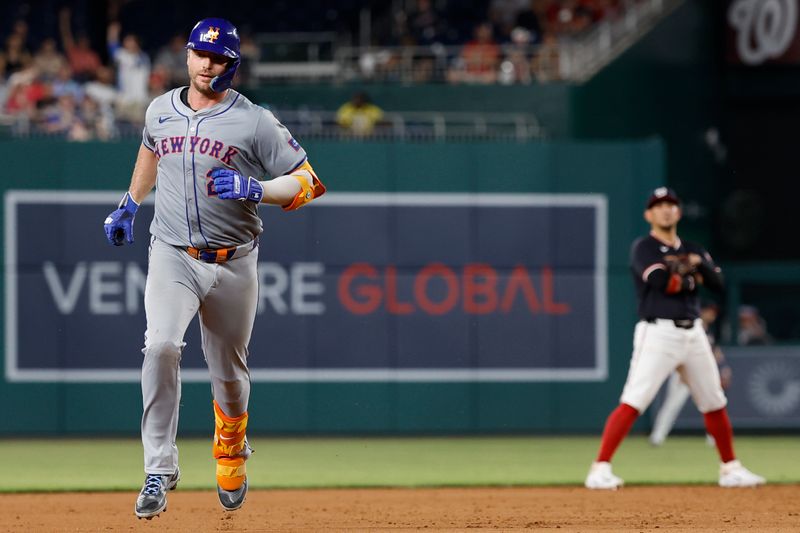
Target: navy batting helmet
x=217, y=36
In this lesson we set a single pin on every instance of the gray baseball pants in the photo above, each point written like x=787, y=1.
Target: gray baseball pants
x=226, y=296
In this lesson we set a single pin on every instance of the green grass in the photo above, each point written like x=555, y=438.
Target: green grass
x=116, y=464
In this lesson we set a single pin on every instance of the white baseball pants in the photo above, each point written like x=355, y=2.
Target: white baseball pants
x=659, y=348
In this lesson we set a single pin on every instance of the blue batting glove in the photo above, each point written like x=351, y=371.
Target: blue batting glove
x=119, y=224
x=230, y=185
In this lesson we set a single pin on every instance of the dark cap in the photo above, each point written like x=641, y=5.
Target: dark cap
x=663, y=194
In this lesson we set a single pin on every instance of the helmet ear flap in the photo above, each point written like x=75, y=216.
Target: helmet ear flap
x=224, y=80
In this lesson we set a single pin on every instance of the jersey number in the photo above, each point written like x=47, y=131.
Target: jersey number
x=210, y=184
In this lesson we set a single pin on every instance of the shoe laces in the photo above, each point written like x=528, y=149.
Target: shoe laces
x=152, y=485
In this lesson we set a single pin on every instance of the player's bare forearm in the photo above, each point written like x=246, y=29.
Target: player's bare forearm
x=280, y=190
x=293, y=190
x=144, y=174
x=290, y=191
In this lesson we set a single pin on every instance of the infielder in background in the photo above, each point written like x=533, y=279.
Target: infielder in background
x=670, y=336
x=206, y=148
x=677, y=392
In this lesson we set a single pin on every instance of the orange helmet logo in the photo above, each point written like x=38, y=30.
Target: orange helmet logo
x=213, y=34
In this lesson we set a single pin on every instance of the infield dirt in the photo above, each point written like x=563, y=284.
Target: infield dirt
x=662, y=508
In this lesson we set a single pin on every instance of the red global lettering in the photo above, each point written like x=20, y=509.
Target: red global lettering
x=369, y=296
x=421, y=284
x=393, y=305
x=520, y=281
x=363, y=289
x=551, y=307
x=480, y=289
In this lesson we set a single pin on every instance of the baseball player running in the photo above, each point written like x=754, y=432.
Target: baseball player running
x=205, y=148
x=670, y=336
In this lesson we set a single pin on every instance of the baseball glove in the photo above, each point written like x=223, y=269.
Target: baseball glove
x=679, y=264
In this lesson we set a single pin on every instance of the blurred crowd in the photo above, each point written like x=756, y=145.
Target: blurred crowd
x=446, y=22
x=512, y=41
x=59, y=84
x=63, y=87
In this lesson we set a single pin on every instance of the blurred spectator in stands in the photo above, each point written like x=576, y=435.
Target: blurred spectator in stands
x=425, y=24
x=171, y=61
x=20, y=28
x=604, y=9
x=583, y=18
x=385, y=64
x=752, y=327
x=133, y=74
x=545, y=62
x=359, y=116
x=251, y=55
x=424, y=68
x=27, y=93
x=159, y=82
x=65, y=84
x=48, y=60
x=479, y=59
x=503, y=16
x=568, y=17
x=516, y=67
x=83, y=61
x=103, y=95
x=15, y=55
x=79, y=132
x=102, y=89
x=58, y=115
x=91, y=123
x=4, y=86
x=26, y=90
x=530, y=18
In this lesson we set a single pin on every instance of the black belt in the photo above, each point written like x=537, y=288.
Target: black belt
x=684, y=323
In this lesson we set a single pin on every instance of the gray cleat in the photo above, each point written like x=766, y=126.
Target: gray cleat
x=232, y=499
x=152, y=499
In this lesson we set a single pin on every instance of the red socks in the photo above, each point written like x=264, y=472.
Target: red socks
x=621, y=420
x=618, y=425
x=718, y=426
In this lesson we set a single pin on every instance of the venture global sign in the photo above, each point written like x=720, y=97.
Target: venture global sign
x=358, y=287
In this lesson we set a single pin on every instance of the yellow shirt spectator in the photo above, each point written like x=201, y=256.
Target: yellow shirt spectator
x=359, y=116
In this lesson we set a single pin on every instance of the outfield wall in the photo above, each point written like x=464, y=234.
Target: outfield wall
x=454, y=288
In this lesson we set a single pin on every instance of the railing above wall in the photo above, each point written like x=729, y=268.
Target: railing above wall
x=298, y=55
x=583, y=57
x=311, y=57
x=407, y=125
x=397, y=125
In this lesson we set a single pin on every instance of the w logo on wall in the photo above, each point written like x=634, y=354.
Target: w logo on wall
x=763, y=30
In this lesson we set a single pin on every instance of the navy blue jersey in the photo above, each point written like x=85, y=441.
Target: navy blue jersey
x=662, y=293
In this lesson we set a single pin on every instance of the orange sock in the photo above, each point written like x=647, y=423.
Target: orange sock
x=229, y=442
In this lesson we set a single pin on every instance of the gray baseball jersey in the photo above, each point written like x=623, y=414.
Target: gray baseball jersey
x=234, y=134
